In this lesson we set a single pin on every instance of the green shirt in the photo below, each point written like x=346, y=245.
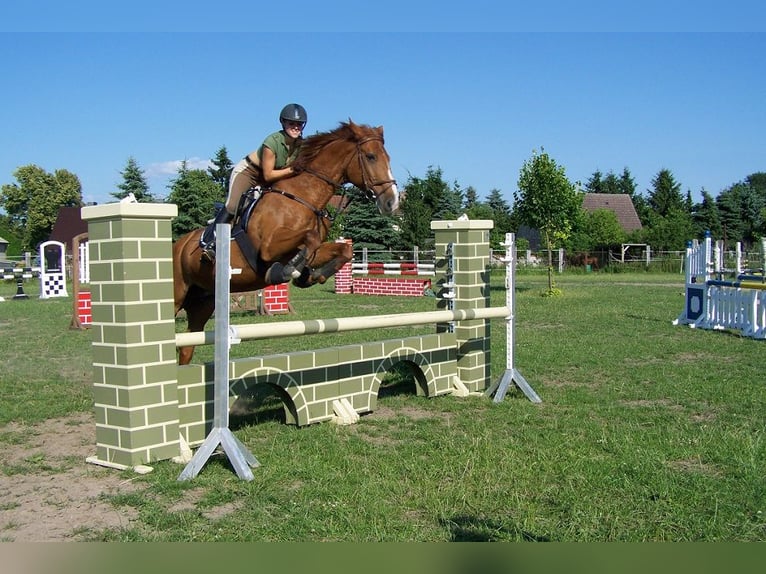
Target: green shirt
x=277, y=143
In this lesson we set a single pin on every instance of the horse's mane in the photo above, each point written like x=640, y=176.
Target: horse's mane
x=313, y=145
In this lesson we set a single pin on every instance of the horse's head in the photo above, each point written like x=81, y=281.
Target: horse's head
x=372, y=171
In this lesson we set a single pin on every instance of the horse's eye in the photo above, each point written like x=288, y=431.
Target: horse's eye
x=370, y=156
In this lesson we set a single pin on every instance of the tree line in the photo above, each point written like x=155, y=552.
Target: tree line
x=544, y=200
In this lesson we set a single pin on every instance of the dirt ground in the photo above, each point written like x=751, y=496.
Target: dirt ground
x=48, y=492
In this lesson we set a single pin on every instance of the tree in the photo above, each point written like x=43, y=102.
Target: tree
x=611, y=184
x=744, y=204
x=594, y=184
x=195, y=194
x=32, y=204
x=628, y=184
x=669, y=232
x=597, y=183
x=449, y=204
x=547, y=201
x=481, y=210
x=597, y=229
x=470, y=198
x=603, y=228
x=665, y=195
x=501, y=215
x=11, y=235
x=133, y=181
x=220, y=171
x=364, y=225
x=424, y=200
x=729, y=204
x=705, y=217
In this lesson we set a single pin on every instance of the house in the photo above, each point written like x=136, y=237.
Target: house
x=68, y=225
x=618, y=203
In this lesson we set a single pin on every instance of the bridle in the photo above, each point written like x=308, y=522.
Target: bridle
x=367, y=183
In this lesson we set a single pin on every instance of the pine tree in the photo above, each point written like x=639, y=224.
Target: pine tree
x=501, y=215
x=665, y=196
x=729, y=203
x=471, y=198
x=365, y=226
x=705, y=217
x=133, y=181
x=594, y=185
x=611, y=184
x=628, y=184
x=449, y=205
x=422, y=200
x=220, y=171
x=195, y=193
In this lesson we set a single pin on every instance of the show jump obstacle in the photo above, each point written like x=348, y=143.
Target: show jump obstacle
x=149, y=409
x=397, y=279
x=710, y=303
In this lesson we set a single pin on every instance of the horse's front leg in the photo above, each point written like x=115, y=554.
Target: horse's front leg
x=327, y=260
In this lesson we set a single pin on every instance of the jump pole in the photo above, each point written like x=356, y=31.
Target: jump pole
x=241, y=458
x=511, y=374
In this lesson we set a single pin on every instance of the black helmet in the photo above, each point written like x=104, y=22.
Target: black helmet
x=294, y=113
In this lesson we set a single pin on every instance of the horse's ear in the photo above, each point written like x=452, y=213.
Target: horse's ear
x=350, y=121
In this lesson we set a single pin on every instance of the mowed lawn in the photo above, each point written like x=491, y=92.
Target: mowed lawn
x=646, y=431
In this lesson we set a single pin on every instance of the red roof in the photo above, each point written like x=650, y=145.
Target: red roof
x=619, y=203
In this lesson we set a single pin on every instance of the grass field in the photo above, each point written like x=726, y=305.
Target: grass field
x=646, y=432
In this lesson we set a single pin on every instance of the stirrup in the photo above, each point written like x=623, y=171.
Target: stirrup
x=208, y=253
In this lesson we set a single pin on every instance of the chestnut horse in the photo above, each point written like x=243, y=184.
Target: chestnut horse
x=286, y=230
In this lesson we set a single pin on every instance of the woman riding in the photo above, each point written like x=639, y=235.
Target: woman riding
x=269, y=163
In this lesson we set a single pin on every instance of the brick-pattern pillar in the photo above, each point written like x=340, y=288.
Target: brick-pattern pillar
x=134, y=353
x=471, y=270
x=344, y=277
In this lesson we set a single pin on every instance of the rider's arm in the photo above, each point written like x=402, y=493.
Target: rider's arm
x=268, y=160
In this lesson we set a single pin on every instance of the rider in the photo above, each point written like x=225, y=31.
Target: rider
x=269, y=163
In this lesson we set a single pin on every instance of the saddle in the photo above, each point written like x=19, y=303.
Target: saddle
x=274, y=273
x=247, y=204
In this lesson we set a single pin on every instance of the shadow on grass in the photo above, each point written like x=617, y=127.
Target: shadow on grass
x=465, y=528
x=260, y=404
x=401, y=380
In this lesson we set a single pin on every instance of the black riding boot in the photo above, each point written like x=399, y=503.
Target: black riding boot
x=207, y=241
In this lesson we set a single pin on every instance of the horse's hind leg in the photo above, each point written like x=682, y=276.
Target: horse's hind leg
x=197, y=314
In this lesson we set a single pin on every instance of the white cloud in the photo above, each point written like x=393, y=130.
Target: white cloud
x=166, y=168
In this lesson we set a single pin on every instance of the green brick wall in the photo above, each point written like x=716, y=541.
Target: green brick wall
x=144, y=401
x=134, y=354
x=471, y=267
x=312, y=380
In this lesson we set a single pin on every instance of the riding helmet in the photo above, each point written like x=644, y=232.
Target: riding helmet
x=294, y=113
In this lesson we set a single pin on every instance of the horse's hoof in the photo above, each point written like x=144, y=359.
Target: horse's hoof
x=279, y=273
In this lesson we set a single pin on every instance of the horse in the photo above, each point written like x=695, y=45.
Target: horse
x=282, y=237
x=584, y=259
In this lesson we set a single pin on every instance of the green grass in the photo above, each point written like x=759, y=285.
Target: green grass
x=646, y=431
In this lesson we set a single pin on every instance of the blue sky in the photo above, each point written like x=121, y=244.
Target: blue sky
x=474, y=104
